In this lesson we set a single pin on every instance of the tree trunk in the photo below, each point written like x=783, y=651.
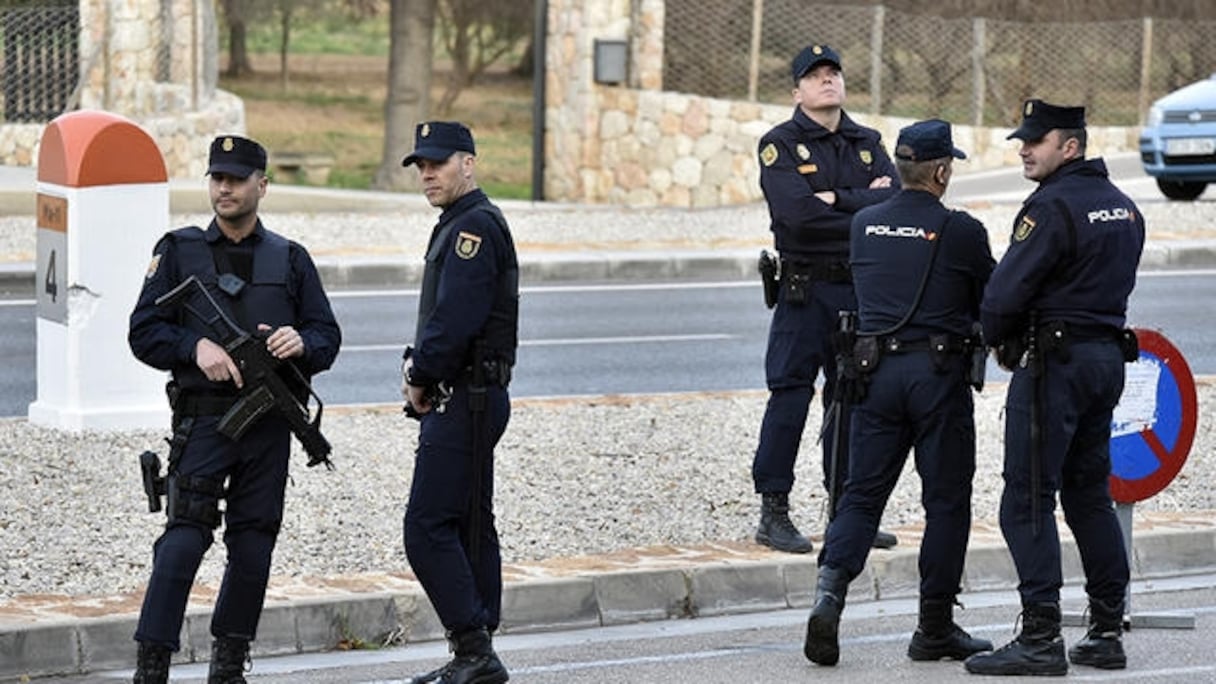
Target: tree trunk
x=411, y=26
x=238, y=53
x=285, y=10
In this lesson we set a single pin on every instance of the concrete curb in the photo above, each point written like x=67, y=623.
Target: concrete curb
x=588, y=600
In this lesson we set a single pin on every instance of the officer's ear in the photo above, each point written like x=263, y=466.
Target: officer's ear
x=941, y=173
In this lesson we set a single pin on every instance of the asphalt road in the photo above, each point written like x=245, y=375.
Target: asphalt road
x=610, y=339
x=767, y=647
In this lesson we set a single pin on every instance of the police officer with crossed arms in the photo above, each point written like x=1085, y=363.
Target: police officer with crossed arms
x=816, y=170
x=1055, y=309
x=919, y=271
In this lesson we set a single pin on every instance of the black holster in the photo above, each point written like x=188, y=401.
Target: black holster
x=770, y=277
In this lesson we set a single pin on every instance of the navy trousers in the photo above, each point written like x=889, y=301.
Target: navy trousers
x=1077, y=400
x=465, y=588
x=799, y=345
x=256, y=470
x=909, y=404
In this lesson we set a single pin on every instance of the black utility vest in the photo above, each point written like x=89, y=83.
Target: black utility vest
x=265, y=299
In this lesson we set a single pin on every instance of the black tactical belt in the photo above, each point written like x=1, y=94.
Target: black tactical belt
x=894, y=345
x=824, y=270
x=496, y=372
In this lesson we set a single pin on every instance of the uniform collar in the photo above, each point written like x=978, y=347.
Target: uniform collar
x=213, y=233
x=1078, y=167
x=847, y=127
x=462, y=203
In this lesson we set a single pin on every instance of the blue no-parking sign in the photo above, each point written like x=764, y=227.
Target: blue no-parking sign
x=1154, y=424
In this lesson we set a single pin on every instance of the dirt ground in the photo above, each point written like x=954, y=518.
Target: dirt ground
x=335, y=104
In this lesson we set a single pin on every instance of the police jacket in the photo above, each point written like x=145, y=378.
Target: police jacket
x=799, y=158
x=890, y=249
x=1072, y=256
x=284, y=290
x=470, y=292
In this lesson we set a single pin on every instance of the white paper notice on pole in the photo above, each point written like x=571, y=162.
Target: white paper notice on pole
x=1137, y=409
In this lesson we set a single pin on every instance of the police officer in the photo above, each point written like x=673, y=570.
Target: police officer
x=816, y=170
x=455, y=381
x=1055, y=307
x=264, y=282
x=919, y=271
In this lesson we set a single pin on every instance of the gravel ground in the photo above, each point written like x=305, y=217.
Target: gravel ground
x=574, y=477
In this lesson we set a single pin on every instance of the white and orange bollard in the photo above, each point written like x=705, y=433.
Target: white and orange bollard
x=102, y=202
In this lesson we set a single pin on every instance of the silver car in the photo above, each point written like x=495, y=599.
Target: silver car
x=1178, y=146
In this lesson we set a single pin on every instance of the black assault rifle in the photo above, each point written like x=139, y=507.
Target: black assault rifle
x=265, y=389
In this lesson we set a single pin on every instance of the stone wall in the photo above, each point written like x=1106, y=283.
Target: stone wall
x=637, y=145
x=155, y=63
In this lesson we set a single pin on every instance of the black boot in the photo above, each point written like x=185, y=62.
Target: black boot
x=776, y=530
x=884, y=540
x=1038, y=650
x=228, y=656
x=152, y=664
x=937, y=636
x=474, y=663
x=1102, y=646
x=822, y=629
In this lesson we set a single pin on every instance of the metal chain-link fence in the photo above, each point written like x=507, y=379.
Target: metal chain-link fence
x=40, y=59
x=975, y=71
x=49, y=49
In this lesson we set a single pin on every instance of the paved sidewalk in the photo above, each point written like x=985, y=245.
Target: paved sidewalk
x=48, y=635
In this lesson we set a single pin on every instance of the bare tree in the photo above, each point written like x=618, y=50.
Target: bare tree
x=411, y=27
x=476, y=34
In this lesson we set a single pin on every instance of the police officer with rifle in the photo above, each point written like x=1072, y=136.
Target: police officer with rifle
x=919, y=270
x=236, y=313
x=455, y=381
x=1055, y=310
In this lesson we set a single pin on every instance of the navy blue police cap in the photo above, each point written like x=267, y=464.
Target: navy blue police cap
x=811, y=57
x=925, y=140
x=235, y=156
x=1039, y=117
x=438, y=140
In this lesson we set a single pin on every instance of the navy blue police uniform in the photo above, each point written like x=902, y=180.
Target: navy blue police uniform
x=1072, y=259
x=919, y=270
x=465, y=342
x=798, y=158
x=1070, y=266
x=916, y=396
x=281, y=288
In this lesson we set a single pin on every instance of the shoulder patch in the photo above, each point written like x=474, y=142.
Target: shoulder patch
x=152, y=267
x=768, y=155
x=467, y=245
x=1023, y=229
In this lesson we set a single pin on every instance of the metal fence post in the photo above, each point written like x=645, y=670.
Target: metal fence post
x=876, y=60
x=1146, y=68
x=753, y=67
x=979, y=46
